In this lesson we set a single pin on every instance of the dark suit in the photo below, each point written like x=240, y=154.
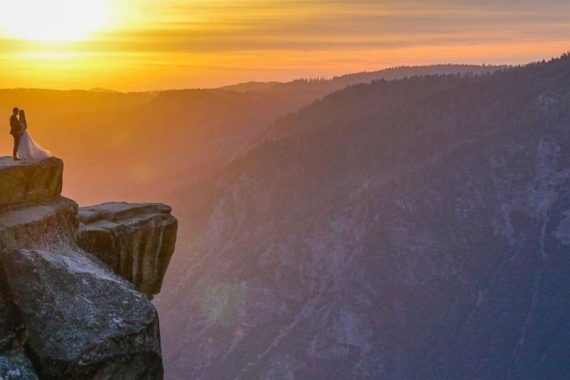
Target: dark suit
x=16, y=132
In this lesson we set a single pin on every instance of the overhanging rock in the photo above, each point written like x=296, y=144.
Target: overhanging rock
x=135, y=240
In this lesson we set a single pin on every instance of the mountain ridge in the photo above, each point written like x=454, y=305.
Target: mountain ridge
x=389, y=230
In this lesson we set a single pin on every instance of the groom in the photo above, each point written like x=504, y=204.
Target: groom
x=15, y=131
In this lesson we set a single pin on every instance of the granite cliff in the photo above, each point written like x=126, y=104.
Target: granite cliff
x=415, y=229
x=136, y=241
x=65, y=313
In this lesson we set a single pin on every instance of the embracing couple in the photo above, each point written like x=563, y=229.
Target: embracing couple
x=25, y=148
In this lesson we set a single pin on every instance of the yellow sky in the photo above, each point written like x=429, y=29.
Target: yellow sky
x=154, y=44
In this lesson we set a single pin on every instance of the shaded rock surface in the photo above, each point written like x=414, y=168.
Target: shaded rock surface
x=84, y=321
x=135, y=240
x=64, y=314
x=27, y=181
x=14, y=363
x=12, y=329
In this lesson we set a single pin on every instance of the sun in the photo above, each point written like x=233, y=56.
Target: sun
x=52, y=20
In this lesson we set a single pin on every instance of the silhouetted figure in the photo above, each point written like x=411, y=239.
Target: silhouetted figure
x=15, y=131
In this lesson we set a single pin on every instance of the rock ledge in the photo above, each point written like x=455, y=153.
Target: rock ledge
x=64, y=313
x=135, y=240
x=29, y=181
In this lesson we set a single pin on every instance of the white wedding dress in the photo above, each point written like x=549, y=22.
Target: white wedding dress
x=29, y=149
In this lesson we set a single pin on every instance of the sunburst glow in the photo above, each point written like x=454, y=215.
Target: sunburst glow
x=137, y=45
x=53, y=20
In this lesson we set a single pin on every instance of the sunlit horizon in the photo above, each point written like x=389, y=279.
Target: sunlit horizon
x=128, y=45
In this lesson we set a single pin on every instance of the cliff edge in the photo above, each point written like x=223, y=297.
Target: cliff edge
x=136, y=241
x=66, y=313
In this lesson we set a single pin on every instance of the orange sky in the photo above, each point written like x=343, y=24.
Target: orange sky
x=156, y=44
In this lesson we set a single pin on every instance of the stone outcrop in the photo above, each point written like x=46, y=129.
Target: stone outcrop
x=135, y=240
x=14, y=364
x=64, y=313
x=83, y=320
x=27, y=181
x=42, y=224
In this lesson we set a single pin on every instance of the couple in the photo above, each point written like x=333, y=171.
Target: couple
x=25, y=148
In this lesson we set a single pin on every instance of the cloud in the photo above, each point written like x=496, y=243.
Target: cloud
x=217, y=26
x=210, y=42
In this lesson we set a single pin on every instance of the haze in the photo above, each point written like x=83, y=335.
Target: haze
x=406, y=217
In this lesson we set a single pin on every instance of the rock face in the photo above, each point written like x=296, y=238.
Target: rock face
x=417, y=229
x=38, y=225
x=135, y=240
x=83, y=320
x=14, y=364
x=64, y=314
x=26, y=181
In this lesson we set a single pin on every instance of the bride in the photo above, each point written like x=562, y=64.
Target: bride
x=28, y=149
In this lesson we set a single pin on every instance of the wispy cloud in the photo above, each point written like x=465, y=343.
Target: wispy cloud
x=318, y=36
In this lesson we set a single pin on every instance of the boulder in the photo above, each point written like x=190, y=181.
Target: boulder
x=135, y=240
x=84, y=321
x=29, y=181
x=14, y=364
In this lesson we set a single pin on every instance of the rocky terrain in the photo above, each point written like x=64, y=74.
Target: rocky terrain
x=64, y=313
x=136, y=241
x=415, y=229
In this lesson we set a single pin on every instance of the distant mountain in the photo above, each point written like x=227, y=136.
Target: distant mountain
x=302, y=92
x=412, y=229
x=253, y=86
x=101, y=89
x=159, y=146
x=159, y=141
x=317, y=88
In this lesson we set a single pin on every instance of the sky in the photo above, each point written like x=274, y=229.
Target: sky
x=133, y=45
